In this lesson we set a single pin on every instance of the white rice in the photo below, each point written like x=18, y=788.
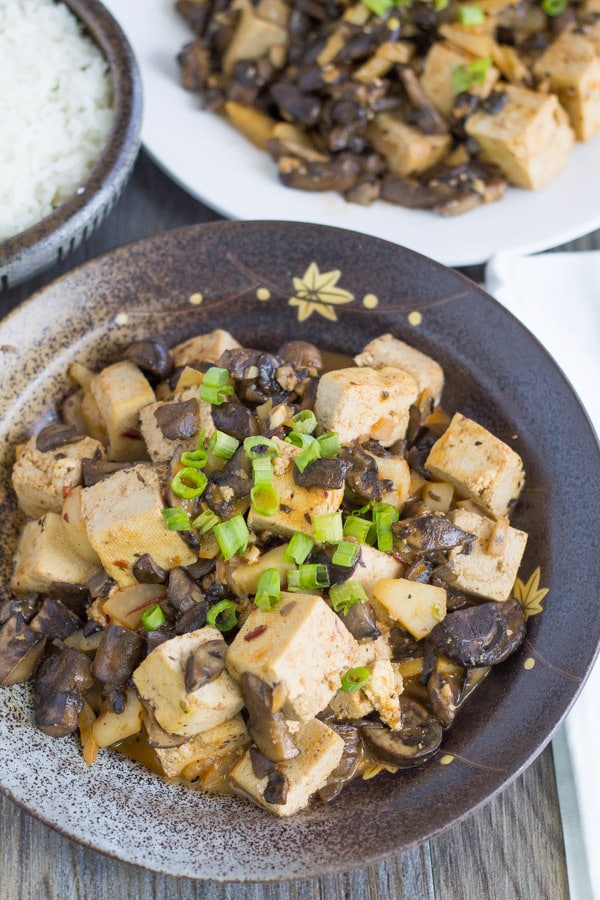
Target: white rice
x=55, y=109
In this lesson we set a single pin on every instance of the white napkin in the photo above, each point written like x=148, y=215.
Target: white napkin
x=557, y=297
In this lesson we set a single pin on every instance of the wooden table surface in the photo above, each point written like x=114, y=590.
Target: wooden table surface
x=511, y=848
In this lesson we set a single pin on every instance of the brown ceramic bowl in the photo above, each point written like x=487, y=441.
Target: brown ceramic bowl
x=268, y=282
x=43, y=245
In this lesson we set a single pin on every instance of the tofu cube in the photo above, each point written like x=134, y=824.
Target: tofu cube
x=223, y=740
x=160, y=680
x=348, y=706
x=123, y=518
x=42, y=480
x=366, y=403
x=373, y=566
x=243, y=577
x=437, y=79
x=320, y=753
x=481, y=467
x=530, y=138
x=412, y=605
x=300, y=643
x=44, y=556
x=120, y=391
x=382, y=690
x=404, y=147
x=571, y=66
x=479, y=572
x=204, y=348
x=389, y=351
x=298, y=505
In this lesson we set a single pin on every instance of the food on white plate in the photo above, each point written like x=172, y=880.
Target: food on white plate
x=257, y=575
x=56, y=108
x=429, y=104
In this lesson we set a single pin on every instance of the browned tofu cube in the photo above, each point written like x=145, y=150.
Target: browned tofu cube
x=437, y=78
x=571, y=66
x=479, y=572
x=405, y=148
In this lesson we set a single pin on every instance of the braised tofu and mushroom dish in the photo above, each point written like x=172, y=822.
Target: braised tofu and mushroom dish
x=430, y=104
x=257, y=574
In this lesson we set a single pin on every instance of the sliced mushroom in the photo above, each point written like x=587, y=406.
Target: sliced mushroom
x=120, y=651
x=336, y=574
x=480, y=635
x=235, y=419
x=268, y=729
x=178, y=421
x=432, y=532
x=97, y=469
x=193, y=618
x=301, y=354
x=20, y=651
x=56, y=435
x=363, y=475
x=151, y=356
x=183, y=592
x=444, y=695
x=146, y=571
x=340, y=173
x=361, y=622
x=277, y=787
x=205, y=664
x=100, y=585
x=55, y=620
x=76, y=597
x=423, y=114
x=60, y=684
x=328, y=473
x=157, y=736
x=348, y=765
x=415, y=742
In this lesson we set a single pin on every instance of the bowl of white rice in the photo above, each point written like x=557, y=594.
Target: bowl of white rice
x=70, y=114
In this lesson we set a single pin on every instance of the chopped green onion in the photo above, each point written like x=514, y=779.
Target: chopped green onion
x=384, y=516
x=232, y=536
x=262, y=471
x=223, y=615
x=356, y=527
x=471, y=15
x=177, y=519
x=440, y=4
x=466, y=76
x=378, y=7
x=354, y=679
x=308, y=455
x=195, y=459
x=205, y=521
x=298, y=548
x=346, y=594
x=189, y=483
x=329, y=443
x=554, y=7
x=298, y=439
x=345, y=554
x=304, y=422
x=328, y=528
x=216, y=377
x=268, y=590
x=153, y=618
x=214, y=395
x=223, y=445
x=309, y=576
x=264, y=499
x=259, y=447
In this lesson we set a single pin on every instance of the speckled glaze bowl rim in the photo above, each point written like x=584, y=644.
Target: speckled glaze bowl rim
x=202, y=276
x=42, y=245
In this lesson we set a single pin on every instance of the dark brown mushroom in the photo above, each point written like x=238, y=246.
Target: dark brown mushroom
x=336, y=574
x=328, y=473
x=56, y=435
x=120, y=651
x=151, y=356
x=205, y=664
x=61, y=682
x=156, y=735
x=277, y=787
x=147, y=571
x=339, y=174
x=301, y=354
x=362, y=475
x=432, y=532
x=348, y=765
x=444, y=692
x=20, y=651
x=55, y=620
x=97, y=469
x=75, y=597
x=480, y=635
x=361, y=622
x=100, y=585
x=178, y=421
x=423, y=113
x=193, y=618
x=183, y=593
x=413, y=744
x=235, y=419
x=267, y=727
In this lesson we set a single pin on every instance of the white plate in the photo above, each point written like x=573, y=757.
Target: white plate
x=208, y=158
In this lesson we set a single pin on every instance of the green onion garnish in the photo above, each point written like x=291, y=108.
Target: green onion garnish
x=214, y=395
x=345, y=554
x=223, y=615
x=328, y=528
x=264, y=499
x=268, y=590
x=304, y=422
x=195, y=459
x=329, y=443
x=346, y=594
x=259, y=447
x=471, y=15
x=309, y=576
x=223, y=445
x=205, y=521
x=356, y=527
x=298, y=439
x=466, y=76
x=354, y=679
x=216, y=377
x=307, y=455
x=189, y=483
x=177, y=519
x=298, y=548
x=554, y=7
x=153, y=618
x=232, y=536
x=384, y=516
x=262, y=471
x=378, y=7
